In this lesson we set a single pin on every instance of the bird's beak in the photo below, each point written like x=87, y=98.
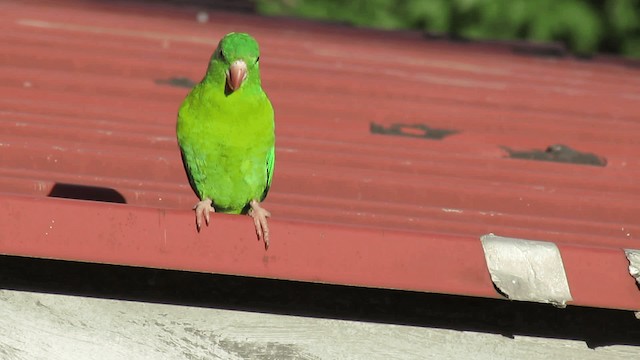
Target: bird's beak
x=236, y=74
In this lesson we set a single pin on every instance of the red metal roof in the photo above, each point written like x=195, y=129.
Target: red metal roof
x=392, y=151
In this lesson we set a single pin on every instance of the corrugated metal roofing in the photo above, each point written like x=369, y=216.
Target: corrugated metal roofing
x=394, y=153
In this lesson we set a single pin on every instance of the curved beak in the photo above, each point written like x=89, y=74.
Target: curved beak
x=236, y=74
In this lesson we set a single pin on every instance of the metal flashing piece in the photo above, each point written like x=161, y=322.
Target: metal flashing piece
x=633, y=256
x=527, y=270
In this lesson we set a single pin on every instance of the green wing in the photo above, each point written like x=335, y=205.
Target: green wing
x=271, y=161
x=194, y=172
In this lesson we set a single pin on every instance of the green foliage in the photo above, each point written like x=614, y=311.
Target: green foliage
x=573, y=22
x=584, y=26
x=622, y=15
x=622, y=19
x=434, y=16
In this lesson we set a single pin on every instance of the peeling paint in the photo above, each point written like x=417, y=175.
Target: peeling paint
x=452, y=210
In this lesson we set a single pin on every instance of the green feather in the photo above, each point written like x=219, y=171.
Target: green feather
x=227, y=137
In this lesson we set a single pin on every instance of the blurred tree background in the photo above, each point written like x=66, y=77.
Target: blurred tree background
x=583, y=26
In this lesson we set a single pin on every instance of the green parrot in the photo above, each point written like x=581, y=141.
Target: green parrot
x=225, y=131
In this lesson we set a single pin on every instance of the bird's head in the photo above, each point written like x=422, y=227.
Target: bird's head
x=237, y=59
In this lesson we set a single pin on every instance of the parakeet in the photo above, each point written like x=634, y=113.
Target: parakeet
x=225, y=131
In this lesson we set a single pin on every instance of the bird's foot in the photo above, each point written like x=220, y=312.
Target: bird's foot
x=260, y=215
x=203, y=210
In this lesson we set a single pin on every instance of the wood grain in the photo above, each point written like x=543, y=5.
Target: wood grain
x=52, y=327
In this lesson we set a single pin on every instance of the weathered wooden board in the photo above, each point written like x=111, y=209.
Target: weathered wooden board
x=56, y=327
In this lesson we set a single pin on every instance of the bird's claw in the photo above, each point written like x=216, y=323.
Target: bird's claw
x=260, y=215
x=203, y=212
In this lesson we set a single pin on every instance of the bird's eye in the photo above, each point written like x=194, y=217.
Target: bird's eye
x=257, y=59
x=220, y=54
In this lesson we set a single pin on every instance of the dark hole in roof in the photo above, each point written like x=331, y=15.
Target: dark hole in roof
x=558, y=153
x=412, y=130
x=84, y=192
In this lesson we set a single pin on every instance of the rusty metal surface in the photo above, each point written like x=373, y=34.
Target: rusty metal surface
x=394, y=153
